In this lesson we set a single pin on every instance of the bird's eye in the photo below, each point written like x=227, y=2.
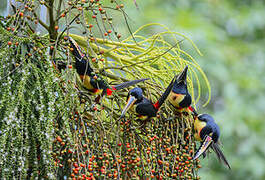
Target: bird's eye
x=174, y=98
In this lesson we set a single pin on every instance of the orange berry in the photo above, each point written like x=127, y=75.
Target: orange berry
x=59, y=139
x=70, y=66
x=9, y=43
x=56, y=28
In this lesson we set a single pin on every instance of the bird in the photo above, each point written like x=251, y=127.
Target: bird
x=144, y=108
x=94, y=84
x=208, y=133
x=179, y=96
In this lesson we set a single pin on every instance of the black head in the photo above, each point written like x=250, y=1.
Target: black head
x=180, y=84
x=135, y=96
x=211, y=128
x=81, y=61
x=137, y=93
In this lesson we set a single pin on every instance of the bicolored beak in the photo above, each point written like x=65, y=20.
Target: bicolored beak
x=204, y=146
x=183, y=75
x=130, y=102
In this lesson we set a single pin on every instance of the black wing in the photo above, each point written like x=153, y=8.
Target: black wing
x=146, y=108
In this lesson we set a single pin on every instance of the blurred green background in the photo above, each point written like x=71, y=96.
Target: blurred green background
x=231, y=36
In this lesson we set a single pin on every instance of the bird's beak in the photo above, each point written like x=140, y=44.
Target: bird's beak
x=204, y=146
x=129, y=104
x=183, y=75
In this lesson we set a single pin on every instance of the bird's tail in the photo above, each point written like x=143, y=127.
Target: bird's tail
x=109, y=91
x=220, y=154
x=128, y=83
x=164, y=96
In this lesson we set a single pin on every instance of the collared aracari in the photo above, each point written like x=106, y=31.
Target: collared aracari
x=179, y=97
x=144, y=108
x=90, y=80
x=208, y=133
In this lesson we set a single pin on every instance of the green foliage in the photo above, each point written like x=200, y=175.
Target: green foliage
x=50, y=128
x=231, y=36
x=31, y=98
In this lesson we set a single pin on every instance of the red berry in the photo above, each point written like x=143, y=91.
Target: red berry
x=76, y=165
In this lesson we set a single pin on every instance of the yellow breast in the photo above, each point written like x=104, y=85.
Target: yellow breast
x=198, y=125
x=86, y=82
x=175, y=99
